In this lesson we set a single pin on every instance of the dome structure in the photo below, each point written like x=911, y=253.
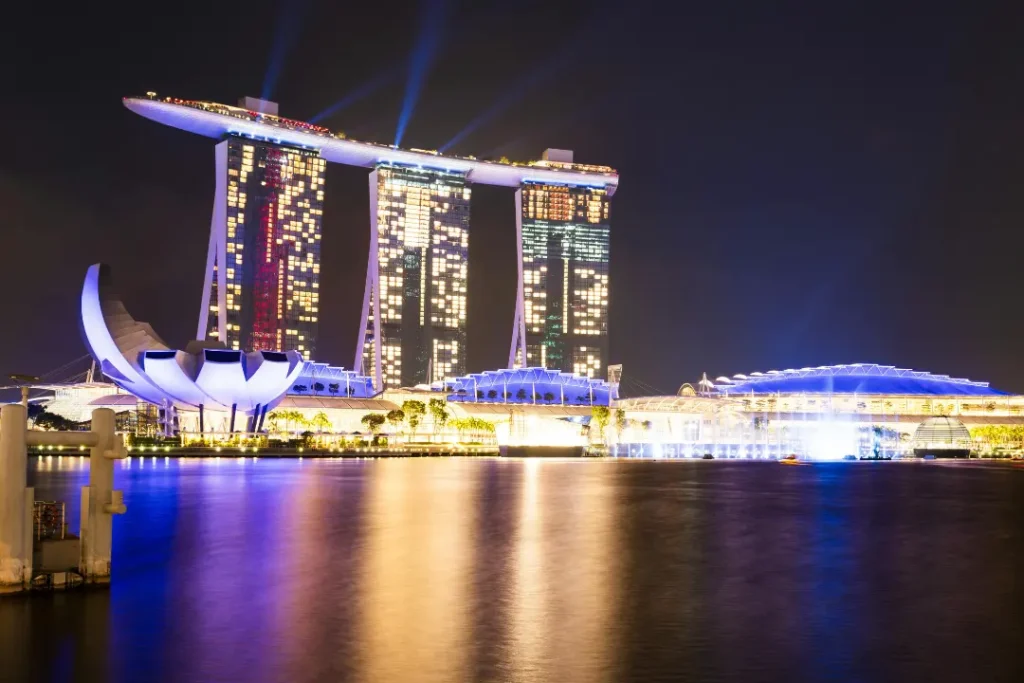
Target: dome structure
x=204, y=375
x=942, y=437
x=855, y=378
x=529, y=385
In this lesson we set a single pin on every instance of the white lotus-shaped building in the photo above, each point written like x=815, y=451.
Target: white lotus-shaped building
x=204, y=376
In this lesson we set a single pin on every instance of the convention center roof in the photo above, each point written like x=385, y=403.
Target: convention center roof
x=856, y=378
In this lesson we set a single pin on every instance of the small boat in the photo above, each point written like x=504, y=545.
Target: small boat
x=791, y=460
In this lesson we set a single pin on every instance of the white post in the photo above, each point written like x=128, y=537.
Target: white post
x=99, y=500
x=15, y=562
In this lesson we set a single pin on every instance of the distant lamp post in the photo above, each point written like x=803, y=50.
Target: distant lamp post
x=24, y=382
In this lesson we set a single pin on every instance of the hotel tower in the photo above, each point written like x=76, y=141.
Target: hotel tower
x=413, y=325
x=261, y=290
x=561, y=318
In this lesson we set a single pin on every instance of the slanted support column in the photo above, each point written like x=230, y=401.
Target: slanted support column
x=370, y=317
x=216, y=254
x=519, y=322
x=15, y=512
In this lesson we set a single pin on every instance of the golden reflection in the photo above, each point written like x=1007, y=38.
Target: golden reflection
x=565, y=583
x=415, y=621
x=593, y=576
x=529, y=628
x=304, y=528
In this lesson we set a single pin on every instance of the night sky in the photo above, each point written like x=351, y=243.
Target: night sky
x=801, y=183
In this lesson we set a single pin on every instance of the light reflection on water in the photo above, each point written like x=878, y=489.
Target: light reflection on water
x=535, y=570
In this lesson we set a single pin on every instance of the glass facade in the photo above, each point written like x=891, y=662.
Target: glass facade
x=422, y=252
x=565, y=277
x=274, y=206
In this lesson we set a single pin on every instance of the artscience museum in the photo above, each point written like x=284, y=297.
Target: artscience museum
x=203, y=377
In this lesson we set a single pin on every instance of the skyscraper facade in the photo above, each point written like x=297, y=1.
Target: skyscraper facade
x=262, y=282
x=564, y=247
x=261, y=290
x=415, y=302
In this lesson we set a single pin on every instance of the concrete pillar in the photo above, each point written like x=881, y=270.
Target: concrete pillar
x=15, y=529
x=99, y=499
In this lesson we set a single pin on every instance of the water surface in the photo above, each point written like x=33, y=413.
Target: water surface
x=537, y=570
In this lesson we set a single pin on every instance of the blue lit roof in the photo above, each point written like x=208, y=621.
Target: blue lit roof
x=333, y=380
x=856, y=378
x=519, y=385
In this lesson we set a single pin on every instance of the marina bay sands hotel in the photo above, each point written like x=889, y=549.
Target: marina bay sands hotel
x=261, y=290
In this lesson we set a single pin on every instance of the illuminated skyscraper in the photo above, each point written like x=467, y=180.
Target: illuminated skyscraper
x=562, y=305
x=415, y=299
x=261, y=290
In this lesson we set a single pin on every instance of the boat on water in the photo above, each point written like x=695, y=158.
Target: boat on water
x=792, y=460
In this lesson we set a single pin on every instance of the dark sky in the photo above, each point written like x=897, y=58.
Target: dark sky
x=801, y=183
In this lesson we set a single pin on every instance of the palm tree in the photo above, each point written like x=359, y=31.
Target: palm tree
x=492, y=394
x=521, y=394
x=299, y=419
x=599, y=415
x=548, y=396
x=317, y=387
x=333, y=387
x=321, y=422
x=286, y=416
x=300, y=388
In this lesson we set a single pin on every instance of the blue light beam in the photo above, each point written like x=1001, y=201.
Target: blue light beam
x=587, y=108
x=541, y=73
x=503, y=103
x=432, y=15
x=361, y=92
x=286, y=31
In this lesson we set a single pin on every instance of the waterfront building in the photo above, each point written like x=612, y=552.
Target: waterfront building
x=562, y=301
x=413, y=325
x=201, y=377
x=821, y=412
x=839, y=411
x=532, y=386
